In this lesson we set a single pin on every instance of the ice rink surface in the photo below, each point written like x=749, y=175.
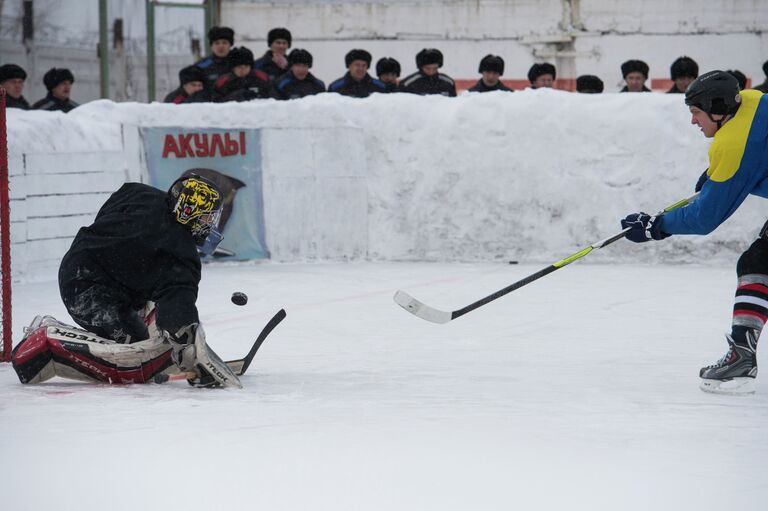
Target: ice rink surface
x=578, y=392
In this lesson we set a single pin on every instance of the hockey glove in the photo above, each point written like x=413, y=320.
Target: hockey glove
x=192, y=354
x=644, y=227
x=702, y=179
x=183, y=345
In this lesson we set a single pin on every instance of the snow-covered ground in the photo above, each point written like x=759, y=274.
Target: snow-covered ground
x=577, y=392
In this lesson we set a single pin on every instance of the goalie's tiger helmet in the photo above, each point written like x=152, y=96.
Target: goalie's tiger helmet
x=196, y=202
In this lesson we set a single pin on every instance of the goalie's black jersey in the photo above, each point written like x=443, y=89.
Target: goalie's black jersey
x=136, y=247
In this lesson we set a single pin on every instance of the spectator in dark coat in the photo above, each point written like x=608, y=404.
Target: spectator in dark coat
x=221, y=40
x=59, y=84
x=388, y=71
x=428, y=80
x=357, y=82
x=298, y=81
x=275, y=62
x=635, y=73
x=491, y=67
x=763, y=87
x=683, y=71
x=542, y=76
x=12, y=79
x=741, y=77
x=191, y=88
x=242, y=82
x=589, y=84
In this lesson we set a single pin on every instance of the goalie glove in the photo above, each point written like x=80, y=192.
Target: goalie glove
x=191, y=353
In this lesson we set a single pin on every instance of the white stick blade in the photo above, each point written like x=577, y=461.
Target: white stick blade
x=420, y=309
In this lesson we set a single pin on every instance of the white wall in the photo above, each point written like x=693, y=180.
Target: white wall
x=315, y=193
x=530, y=176
x=579, y=36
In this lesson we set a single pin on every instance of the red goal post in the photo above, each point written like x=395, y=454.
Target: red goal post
x=5, y=240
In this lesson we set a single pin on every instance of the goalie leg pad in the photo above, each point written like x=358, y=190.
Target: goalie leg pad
x=51, y=348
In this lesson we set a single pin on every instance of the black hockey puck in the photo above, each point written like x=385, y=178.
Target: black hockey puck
x=513, y=262
x=239, y=298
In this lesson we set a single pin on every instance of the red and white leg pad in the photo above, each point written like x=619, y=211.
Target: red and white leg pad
x=51, y=348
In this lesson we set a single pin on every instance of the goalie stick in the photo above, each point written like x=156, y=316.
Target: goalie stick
x=424, y=311
x=238, y=366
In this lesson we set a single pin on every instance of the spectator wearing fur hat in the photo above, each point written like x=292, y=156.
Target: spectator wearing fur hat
x=298, y=81
x=763, y=87
x=59, y=84
x=357, y=82
x=12, y=79
x=221, y=40
x=491, y=67
x=428, y=80
x=191, y=87
x=388, y=71
x=740, y=77
x=275, y=61
x=542, y=76
x=635, y=73
x=242, y=82
x=589, y=84
x=683, y=71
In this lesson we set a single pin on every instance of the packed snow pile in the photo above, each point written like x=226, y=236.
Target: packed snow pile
x=529, y=176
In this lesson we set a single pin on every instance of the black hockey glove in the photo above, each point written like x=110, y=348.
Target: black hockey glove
x=702, y=179
x=644, y=227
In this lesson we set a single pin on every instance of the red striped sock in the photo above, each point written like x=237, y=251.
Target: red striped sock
x=750, y=308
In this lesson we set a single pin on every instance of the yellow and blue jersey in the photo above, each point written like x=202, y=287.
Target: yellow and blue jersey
x=738, y=166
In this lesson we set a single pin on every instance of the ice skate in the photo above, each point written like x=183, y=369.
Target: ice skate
x=735, y=373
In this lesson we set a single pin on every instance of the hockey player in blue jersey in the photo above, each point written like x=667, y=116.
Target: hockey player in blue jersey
x=738, y=166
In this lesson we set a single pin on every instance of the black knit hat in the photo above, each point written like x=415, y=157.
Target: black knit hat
x=11, y=71
x=55, y=76
x=684, y=67
x=387, y=65
x=741, y=77
x=492, y=63
x=589, y=84
x=279, y=33
x=545, y=68
x=239, y=57
x=354, y=55
x=632, y=66
x=429, y=56
x=191, y=74
x=765, y=67
x=299, y=56
x=216, y=33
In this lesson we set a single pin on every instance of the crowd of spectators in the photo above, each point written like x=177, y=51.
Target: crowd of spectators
x=233, y=74
x=57, y=81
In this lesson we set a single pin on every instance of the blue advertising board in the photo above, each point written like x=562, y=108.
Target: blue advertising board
x=231, y=159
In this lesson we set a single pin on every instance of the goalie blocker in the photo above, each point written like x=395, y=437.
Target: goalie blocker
x=51, y=348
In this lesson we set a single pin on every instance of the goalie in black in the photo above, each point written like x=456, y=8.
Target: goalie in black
x=130, y=280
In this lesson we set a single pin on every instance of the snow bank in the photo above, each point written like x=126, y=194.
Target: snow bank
x=528, y=176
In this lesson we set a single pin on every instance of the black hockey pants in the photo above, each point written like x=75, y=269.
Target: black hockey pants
x=97, y=304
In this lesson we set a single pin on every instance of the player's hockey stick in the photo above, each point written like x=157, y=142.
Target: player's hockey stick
x=239, y=366
x=428, y=313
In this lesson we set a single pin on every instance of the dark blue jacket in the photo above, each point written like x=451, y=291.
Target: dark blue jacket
x=346, y=86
